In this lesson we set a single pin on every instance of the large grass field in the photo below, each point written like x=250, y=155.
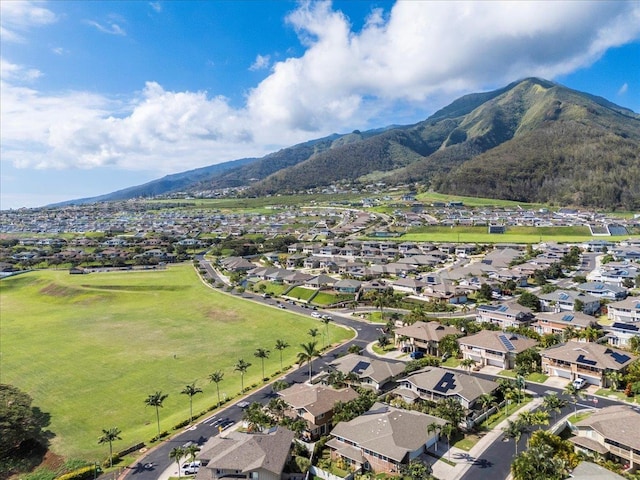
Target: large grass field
x=91, y=348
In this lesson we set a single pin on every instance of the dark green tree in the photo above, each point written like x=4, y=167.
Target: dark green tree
x=156, y=400
x=216, y=377
x=109, y=436
x=191, y=391
x=262, y=354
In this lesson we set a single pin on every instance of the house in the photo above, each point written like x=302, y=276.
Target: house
x=603, y=290
x=590, y=361
x=423, y=336
x=613, y=432
x=348, y=286
x=627, y=310
x=566, y=300
x=619, y=333
x=314, y=404
x=320, y=281
x=241, y=455
x=435, y=383
x=505, y=315
x=555, y=323
x=371, y=372
x=592, y=471
x=498, y=349
x=384, y=439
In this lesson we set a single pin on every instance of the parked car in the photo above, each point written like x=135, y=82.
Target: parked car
x=416, y=355
x=191, y=468
x=579, y=383
x=315, y=314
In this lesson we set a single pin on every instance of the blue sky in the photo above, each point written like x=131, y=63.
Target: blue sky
x=102, y=95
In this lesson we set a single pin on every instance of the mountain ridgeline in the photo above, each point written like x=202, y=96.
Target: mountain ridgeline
x=531, y=141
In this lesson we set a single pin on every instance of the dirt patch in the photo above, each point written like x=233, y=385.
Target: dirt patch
x=52, y=461
x=53, y=290
x=226, y=316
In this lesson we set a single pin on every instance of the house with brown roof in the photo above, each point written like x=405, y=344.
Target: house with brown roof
x=505, y=315
x=556, y=322
x=384, y=439
x=423, y=336
x=613, y=432
x=371, y=372
x=590, y=361
x=314, y=404
x=435, y=383
x=489, y=347
x=242, y=455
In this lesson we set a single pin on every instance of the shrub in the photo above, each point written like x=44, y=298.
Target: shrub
x=184, y=423
x=115, y=459
x=79, y=474
x=41, y=474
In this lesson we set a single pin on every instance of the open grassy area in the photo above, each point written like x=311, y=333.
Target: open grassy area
x=91, y=348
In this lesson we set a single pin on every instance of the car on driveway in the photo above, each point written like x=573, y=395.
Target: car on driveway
x=191, y=468
x=416, y=355
x=579, y=383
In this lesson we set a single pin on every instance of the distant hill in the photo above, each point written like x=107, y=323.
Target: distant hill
x=531, y=141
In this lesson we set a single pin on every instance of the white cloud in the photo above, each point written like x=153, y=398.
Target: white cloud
x=11, y=71
x=261, y=62
x=417, y=56
x=156, y=6
x=623, y=88
x=58, y=50
x=111, y=28
x=17, y=17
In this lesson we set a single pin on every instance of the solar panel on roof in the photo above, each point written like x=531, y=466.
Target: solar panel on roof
x=625, y=326
x=599, y=286
x=585, y=361
x=618, y=357
x=506, y=342
x=360, y=367
x=446, y=383
x=567, y=318
x=563, y=296
x=503, y=308
x=638, y=306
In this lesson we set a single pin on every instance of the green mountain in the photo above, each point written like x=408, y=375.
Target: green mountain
x=531, y=141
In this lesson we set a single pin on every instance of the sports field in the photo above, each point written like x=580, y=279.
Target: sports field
x=91, y=348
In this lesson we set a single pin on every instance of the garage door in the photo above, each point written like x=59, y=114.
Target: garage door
x=558, y=372
x=495, y=363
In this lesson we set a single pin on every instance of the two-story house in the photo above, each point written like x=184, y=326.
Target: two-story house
x=555, y=323
x=371, y=372
x=626, y=311
x=423, y=336
x=565, y=300
x=498, y=349
x=505, y=315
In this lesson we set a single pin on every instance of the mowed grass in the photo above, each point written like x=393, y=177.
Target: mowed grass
x=91, y=348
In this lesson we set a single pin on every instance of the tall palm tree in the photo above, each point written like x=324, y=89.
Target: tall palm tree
x=326, y=321
x=262, y=354
x=569, y=333
x=614, y=377
x=434, y=427
x=109, y=436
x=468, y=364
x=177, y=454
x=156, y=400
x=308, y=353
x=191, y=390
x=553, y=403
x=314, y=332
x=191, y=451
x=280, y=346
x=514, y=430
x=575, y=394
x=485, y=400
x=242, y=367
x=217, y=377
x=448, y=430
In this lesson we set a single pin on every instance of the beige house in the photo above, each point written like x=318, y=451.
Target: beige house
x=241, y=455
x=314, y=404
x=627, y=310
x=423, y=336
x=556, y=322
x=489, y=347
x=383, y=439
x=371, y=372
x=589, y=361
x=613, y=432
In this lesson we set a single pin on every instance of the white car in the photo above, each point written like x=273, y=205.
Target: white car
x=579, y=383
x=191, y=468
x=315, y=314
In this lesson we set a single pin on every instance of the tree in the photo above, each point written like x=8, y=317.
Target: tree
x=528, y=299
x=538, y=463
x=191, y=451
x=216, y=377
x=277, y=407
x=177, y=454
x=569, y=333
x=575, y=394
x=591, y=334
x=156, y=400
x=326, y=321
x=553, y=403
x=20, y=422
x=450, y=409
x=485, y=292
x=109, y=436
x=242, y=367
x=634, y=343
x=449, y=344
x=615, y=378
x=262, y=354
x=528, y=361
x=514, y=430
x=383, y=341
x=308, y=353
x=191, y=390
x=448, y=430
x=485, y=400
x=468, y=364
x=434, y=427
x=417, y=470
x=578, y=305
x=279, y=385
x=280, y=346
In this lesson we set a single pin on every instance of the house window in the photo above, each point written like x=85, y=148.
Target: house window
x=254, y=475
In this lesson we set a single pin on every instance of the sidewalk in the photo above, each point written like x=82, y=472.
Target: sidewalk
x=464, y=460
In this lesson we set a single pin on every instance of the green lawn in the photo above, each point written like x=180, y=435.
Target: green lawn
x=301, y=293
x=89, y=349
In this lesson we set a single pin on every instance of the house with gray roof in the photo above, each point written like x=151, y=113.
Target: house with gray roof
x=613, y=432
x=371, y=372
x=489, y=347
x=627, y=310
x=505, y=315
x=242, y=455
x=619, y=334
x=435, y=383
x=566, y=300
x=603, y=290
x=423, y=336
x=314, y=404
x=590, y=361
x=384, y=439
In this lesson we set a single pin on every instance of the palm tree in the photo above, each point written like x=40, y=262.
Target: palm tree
x=514, y=430
x=217, y=377
x=615, y=378
x=279, y=385
x=156, y=400
x=326, y=321
x=242, y=367
x=569, y=333
x=448, y=430
x=191, y=451
x=434, y=427
x=314, y=332
x=191, y=390
x=177, y=454
x=109, y=436
x=277, y=407
x=308, y=353
x=553, y=403
x=280, y=346
x=261, y=353
x=468, y=364
x=575, y=394
x=485, y=400
x=634, y=343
